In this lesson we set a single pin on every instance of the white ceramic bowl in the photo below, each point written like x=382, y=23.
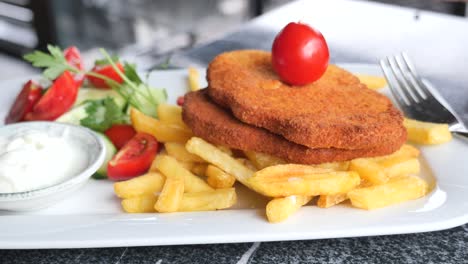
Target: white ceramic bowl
x=44, y=197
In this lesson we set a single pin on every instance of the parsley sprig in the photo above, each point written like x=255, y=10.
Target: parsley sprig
x=133, y=89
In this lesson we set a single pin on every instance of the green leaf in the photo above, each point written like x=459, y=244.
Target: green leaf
x=131, y=73
x=105, y=61
x=54, y=63
x=102, y=114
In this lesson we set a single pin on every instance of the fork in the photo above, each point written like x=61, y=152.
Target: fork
x=413, y=96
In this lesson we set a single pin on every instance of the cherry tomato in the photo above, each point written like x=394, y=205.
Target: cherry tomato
x=134, y=158
x=24, y=102
x=180, y=100
x=73, y=57
x=300, y=54
x=120, y=134
x=58, y=99
x=108, y=71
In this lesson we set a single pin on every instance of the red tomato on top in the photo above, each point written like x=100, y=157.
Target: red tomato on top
x=24, y=102
x=120, y=134
x=134, y=158
x=73, y=57
x=300, y=54
x=58, y=99
x=108, y=71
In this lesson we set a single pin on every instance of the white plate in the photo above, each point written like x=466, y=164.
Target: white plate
x=92, y=216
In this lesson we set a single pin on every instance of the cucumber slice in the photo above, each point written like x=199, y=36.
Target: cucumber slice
x=101, y=173
x=74, y=115
x=148, y=98
x=96, y=94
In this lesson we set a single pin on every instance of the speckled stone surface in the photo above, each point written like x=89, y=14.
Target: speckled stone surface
x=448, y=246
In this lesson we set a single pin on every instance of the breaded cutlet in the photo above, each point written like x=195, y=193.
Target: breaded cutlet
x=218, y=126
x=337, y=111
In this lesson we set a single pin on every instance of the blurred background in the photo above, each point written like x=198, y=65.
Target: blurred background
x=147, y=30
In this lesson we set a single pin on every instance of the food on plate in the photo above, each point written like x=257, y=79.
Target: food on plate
x=120, y=134
x=33, y=159
x=371, y=81
x=396, y=190
x=105, y=69
x=170, y=114
x=149, y=183
x=178, y=151
x=193, y=77
x=262, y=160
x=24, y=102
x=73, y=57
x=217, y=178
x=427, y=133
x=134, y=158
x=168, y=165
x=326, y=201
x=211, y=122
x=299, y=54
x=336, y=111
x=140, y=204
x=279, y=209
x=170, y=198
x=164, y=132
x=295, y=179
x=369, y=170
x=57, y=100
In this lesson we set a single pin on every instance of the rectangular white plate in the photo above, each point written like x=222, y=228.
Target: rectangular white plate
x=92, y=216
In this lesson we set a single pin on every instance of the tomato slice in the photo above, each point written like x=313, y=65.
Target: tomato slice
x=180, y=100
x=24, y=102
x=299, y=54
x=58, y=99
x=73, y=57
x=134, y=158
x=120, y=134
x=108, y=71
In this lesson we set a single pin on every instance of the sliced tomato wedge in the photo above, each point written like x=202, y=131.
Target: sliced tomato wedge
x=108, y=71
x=134, y=158
x=120, y=134
x=58, y=99
x=180, y=100
x=24, y=102
x=73, y=57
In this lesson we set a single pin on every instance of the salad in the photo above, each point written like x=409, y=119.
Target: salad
x=99, y=98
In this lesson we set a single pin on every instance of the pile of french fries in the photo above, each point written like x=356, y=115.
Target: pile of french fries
x=194, y=175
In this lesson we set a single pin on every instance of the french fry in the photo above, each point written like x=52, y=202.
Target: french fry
x=225, y=149
x=178, y=151
x=171, y=114
x=294, y=179
x=410, y=166
x=187, y=165
x=279, y=209
x=326, y=201
x=219, y=179
x=261, y=160
x=372, y=82
x=396, y=190
x=427, y=133
x=247, y=163
x=193, y=79
x=199, y=169
x=215, y=156
x=337, y=166
x=171, y=195
x=208, y=200
x=161, y=131
x=406, y=152
x=167, y=165
x=140, y=204
x=369, y=170
x=149, y=183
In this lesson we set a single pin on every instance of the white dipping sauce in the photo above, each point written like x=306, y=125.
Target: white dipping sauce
x=33, y=160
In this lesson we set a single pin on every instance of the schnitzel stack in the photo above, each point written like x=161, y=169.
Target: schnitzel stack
x=247, y=107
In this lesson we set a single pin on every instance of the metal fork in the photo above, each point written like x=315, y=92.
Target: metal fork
x=414, y=97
